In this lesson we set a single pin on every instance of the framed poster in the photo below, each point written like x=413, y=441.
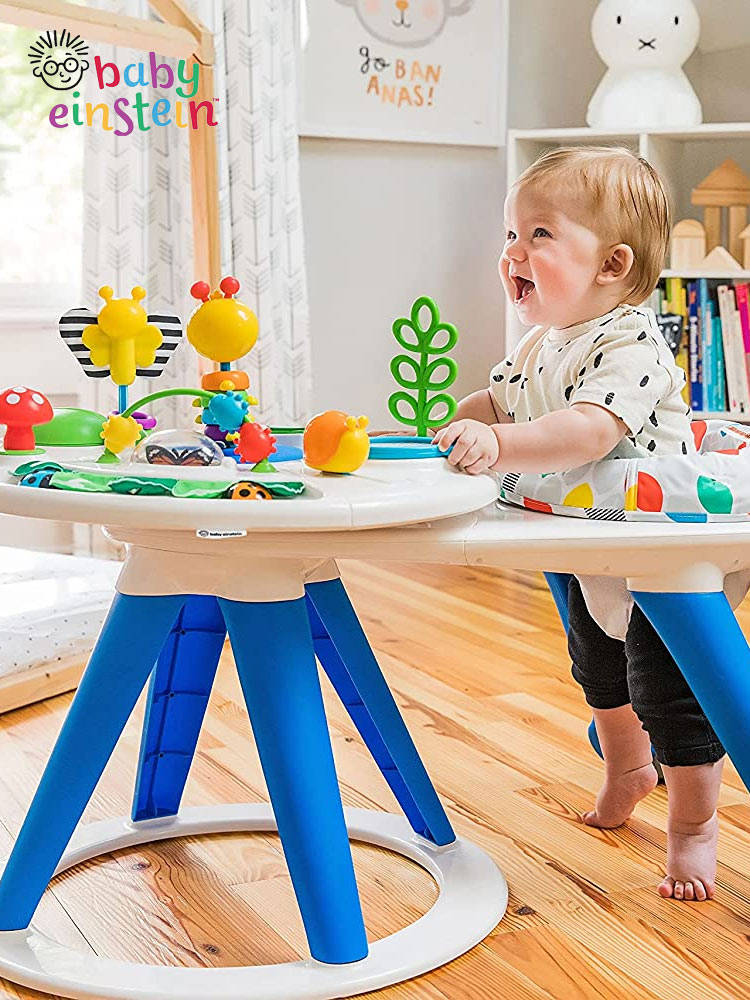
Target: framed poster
x=409, y=70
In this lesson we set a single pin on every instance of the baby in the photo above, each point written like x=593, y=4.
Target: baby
x=587, y=233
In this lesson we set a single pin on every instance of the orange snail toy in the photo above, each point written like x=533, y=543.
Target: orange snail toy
x=336, y=442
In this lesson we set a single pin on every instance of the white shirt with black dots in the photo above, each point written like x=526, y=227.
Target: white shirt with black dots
x=621, y=362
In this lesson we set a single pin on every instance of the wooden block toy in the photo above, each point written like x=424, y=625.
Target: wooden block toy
x=728, y=186
x=744, y=238
x=721, y=262
x=688, y=245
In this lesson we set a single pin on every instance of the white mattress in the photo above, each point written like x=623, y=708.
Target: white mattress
x=51, y=606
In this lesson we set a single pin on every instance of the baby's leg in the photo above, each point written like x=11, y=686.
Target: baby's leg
x=691, y=756
x=600, y=667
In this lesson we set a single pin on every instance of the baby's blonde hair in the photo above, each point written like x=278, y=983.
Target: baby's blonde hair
x=622, y=199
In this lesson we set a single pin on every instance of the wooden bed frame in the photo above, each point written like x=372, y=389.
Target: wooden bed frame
x=181, y=35
x=39, y=683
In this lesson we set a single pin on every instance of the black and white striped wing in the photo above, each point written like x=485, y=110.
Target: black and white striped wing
x=171, y=331
x=71, y=326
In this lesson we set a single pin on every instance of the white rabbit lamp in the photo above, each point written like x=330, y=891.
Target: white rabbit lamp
x=644, y=43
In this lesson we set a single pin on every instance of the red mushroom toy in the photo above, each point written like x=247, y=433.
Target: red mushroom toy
x=21, y=409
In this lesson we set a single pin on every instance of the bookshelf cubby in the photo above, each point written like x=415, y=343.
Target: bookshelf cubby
x=683, y=157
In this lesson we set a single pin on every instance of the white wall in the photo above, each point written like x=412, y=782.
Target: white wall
x=723, y=82
x=553, y=67
x=385, y=223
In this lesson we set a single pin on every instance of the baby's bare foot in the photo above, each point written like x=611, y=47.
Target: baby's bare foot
x=692, y=831
x=620, y=794
x=691, y=860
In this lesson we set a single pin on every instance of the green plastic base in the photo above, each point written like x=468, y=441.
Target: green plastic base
x=36, y=451
x=264, y=466
x=71, y=428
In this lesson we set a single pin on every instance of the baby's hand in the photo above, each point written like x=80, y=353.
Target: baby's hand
x=475, y=445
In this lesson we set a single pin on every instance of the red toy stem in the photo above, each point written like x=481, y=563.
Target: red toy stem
x=19, y=438
x=230, y=286
x=200, y=290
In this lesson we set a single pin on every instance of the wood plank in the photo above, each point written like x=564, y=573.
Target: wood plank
x=176, y=14
x=46, y=681
x=99, y=26
x=565, y=968
x=204, y=185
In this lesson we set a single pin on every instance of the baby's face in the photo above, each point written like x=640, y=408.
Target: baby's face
x=549, y=262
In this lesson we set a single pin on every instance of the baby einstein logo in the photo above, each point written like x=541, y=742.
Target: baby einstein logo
x=60, y=63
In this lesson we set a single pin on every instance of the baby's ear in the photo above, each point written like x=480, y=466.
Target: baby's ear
x=617, y=265
x=84, y=64
x=37, y=71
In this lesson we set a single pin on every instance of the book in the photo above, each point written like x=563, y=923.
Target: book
x=741, y=358
x=726, y=333
x=719, y=381
x=716, y=356
x=676, y=302
x=694, y=349
x=705, y=324
x=743, y=309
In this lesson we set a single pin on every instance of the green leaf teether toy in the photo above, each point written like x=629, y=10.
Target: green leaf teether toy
x=427, y=388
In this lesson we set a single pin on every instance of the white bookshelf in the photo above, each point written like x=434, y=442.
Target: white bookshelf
x=691, y=275
x=683, y=158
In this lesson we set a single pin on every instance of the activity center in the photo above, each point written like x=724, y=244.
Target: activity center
x=286, y=703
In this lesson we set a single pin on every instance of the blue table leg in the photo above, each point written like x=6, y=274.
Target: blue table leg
x=702, y=634
x=120, y=664
x=558, y=584
x=275, y=659
x=178, y=696
x=346, y=656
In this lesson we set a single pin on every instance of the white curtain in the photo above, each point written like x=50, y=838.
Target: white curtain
x=138, y=224
x=137, y=208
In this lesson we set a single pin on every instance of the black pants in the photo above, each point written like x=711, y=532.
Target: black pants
x=640, y=671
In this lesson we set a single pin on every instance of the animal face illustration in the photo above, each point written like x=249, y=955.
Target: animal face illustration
x=406, y=22
x=59, y=60
x=640, y=33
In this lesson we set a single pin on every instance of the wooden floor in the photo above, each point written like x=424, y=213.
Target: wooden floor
x=478, y=664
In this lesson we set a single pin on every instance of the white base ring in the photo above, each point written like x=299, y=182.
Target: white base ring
x=473, y=898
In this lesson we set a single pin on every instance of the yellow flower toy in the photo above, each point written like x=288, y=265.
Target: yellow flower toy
x=120, y=433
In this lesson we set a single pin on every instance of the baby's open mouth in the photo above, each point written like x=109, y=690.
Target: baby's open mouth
x=524, y=287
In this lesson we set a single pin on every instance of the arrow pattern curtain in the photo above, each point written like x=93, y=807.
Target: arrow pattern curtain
x=137, y=206
x=138, y=222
